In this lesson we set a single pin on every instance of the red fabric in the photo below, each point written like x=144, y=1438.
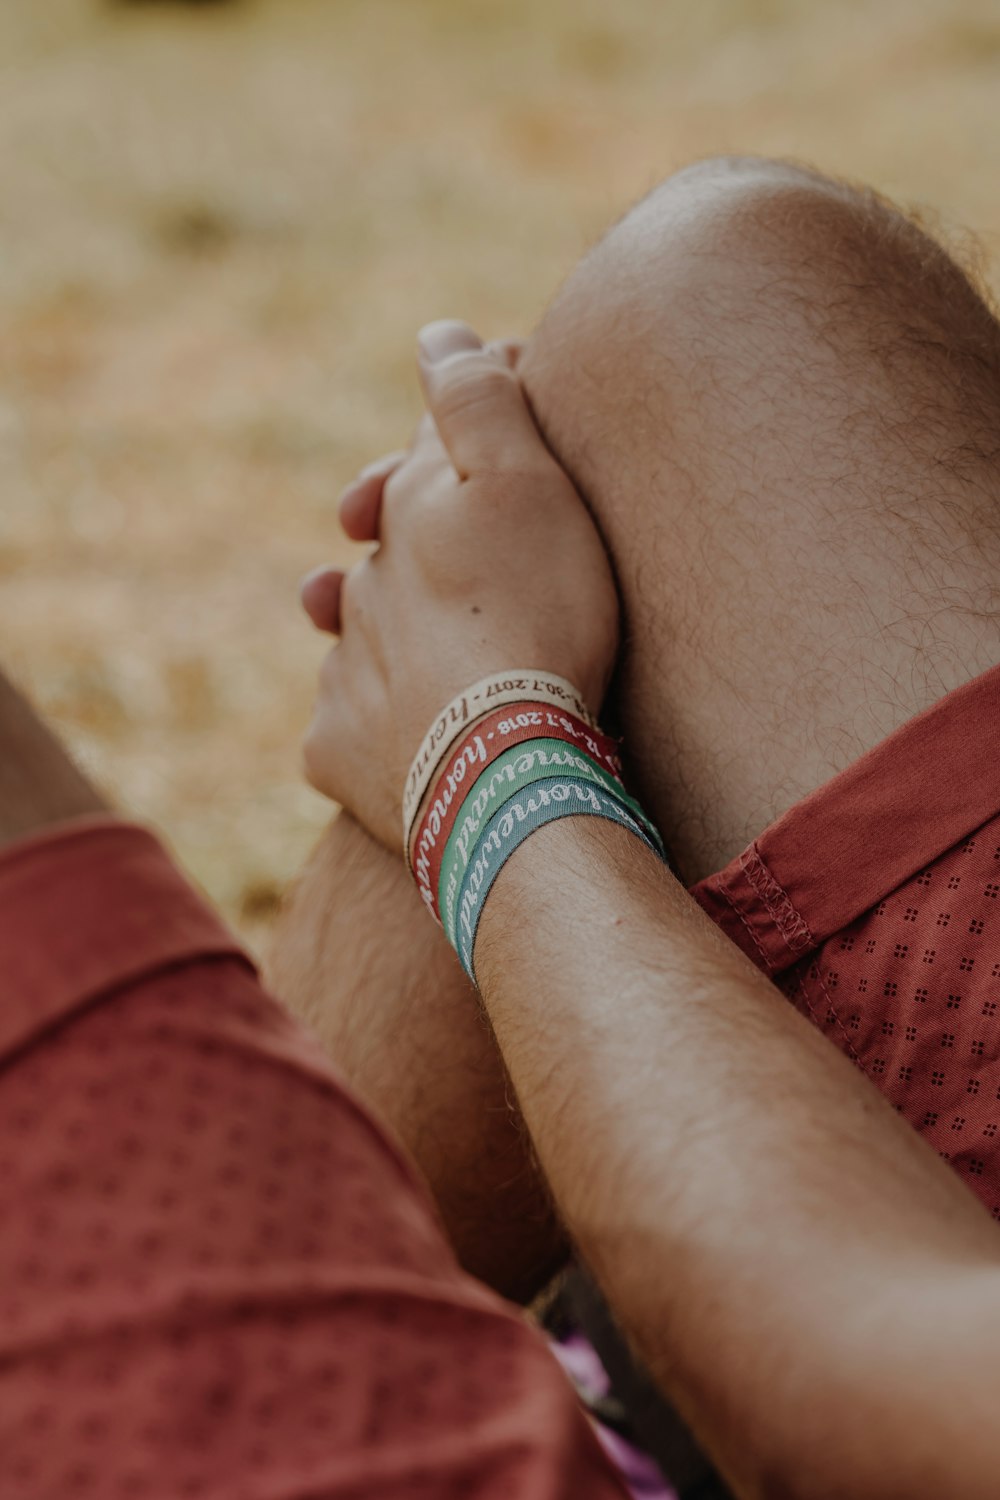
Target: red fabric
x=875, y=905
x=217, y=1277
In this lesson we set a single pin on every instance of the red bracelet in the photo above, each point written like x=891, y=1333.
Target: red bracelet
x=484, y=743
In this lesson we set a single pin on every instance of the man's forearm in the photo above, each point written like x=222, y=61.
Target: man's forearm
x=789, y=1258
x=356, y=957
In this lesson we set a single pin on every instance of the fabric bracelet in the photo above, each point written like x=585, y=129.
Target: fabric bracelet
x=515, y=686
x=522, y=815
x=489, y=738
x=515, y=770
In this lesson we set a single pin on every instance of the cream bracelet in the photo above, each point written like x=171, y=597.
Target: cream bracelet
x=515, y=686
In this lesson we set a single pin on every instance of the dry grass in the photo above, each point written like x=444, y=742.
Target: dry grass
x=218, y=233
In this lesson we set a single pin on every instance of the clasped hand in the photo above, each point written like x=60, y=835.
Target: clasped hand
x=486, y=559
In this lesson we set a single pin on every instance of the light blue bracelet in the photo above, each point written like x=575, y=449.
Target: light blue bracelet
x=528, y=810
x=517, y=769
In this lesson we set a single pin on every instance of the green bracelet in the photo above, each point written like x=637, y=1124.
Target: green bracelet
x=509, y=774
x=536, y=805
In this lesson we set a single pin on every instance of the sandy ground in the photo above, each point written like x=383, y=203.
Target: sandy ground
x=219, y=231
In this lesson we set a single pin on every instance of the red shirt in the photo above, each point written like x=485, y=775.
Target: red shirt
x=874, y=904
x=217, y=1275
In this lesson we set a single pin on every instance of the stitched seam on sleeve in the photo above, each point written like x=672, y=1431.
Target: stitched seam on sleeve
x=790, y=923
x=765, y=962
x=797, y=935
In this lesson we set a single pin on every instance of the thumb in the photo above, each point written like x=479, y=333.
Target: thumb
x=477, y=402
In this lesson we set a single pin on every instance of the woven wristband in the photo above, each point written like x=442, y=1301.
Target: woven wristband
x=522, y=815
x=490, y=738
x=515, y=771
x=516, y=686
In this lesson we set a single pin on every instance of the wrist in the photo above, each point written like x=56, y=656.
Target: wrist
x=486, y=789
x=577, y=875
x=468, y=707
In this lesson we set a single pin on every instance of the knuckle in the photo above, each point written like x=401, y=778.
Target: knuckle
x=353, y=593
x=406, y=486
x=516, y=482
x=394, y=490
x=331, y=678
x=317, y=758
x=472, y=385
x=400, y=486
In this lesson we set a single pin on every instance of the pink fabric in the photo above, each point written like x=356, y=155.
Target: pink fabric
x=581, y=1362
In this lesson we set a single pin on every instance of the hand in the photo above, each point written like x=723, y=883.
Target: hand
x=487, y=560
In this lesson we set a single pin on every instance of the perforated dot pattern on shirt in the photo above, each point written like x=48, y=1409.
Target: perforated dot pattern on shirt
x=911, y=992
x=217, y=1280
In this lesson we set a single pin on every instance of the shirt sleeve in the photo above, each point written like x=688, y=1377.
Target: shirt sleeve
x=217, y=1276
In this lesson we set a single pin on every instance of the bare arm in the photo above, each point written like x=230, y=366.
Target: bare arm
x=807, y=1280
x=356, y=957
x=813, y=1286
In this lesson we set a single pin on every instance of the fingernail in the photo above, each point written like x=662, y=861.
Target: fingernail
x=505, y=351
x=310, y=578
x=438, y=341
x=375, y=467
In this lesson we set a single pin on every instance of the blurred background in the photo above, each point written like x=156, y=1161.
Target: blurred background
x=220, y=227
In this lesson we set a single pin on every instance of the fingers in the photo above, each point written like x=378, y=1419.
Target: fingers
x=320, y=592
x=508, y=351
x=476, y=402
x=476, y=411
x=322, y=737
x=361, y=501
